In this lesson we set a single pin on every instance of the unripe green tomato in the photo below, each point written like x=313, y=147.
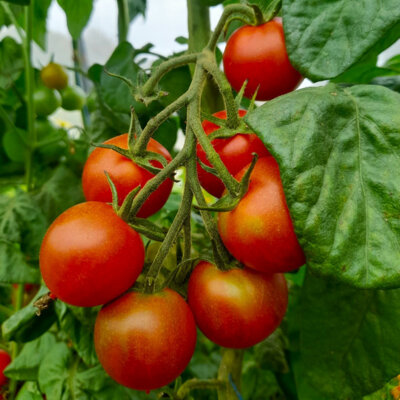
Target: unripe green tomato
x=46, y=101
x=54, y=76
x=72, y=98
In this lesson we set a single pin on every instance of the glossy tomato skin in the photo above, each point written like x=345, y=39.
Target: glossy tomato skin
x=145, y=341
x=5, y=359
x=235, y=153
x=237, y=308
x=125, y=174
x=259, y=231
x=258, y=54
x=89, y=255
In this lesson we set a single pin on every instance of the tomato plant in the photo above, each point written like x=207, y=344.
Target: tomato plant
x=257, y=54
x=54, y=76
x=145, y=341
x=80, y=262
x=307, y=177
x=247, y=306
x=235, y=153
x=265, y=227
x=125, y=174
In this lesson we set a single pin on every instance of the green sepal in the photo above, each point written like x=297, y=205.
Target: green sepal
x=124, y=152
x=114, y=192
x=229, y=202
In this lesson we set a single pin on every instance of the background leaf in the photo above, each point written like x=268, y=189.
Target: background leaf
x=26, y=365
x=136, y=8
x=115, y=92
x=78, y=14
x=337, y=150
x=12, y=63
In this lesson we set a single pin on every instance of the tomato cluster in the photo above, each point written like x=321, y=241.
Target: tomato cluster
x=55, y=92
x=90, y=256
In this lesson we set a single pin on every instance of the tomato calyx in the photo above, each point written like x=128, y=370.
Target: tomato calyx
x=228, y=202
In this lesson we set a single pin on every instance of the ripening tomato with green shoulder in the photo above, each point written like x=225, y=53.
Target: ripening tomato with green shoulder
x=5, y=359
x=53, y=76
x=145, y=341
x=235, y=152
x=125, y=174
x=259, y=231
x=89, y=255
x=237, y=308
x=258, y=54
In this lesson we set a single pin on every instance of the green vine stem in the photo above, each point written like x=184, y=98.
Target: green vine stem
x=221, y=255
x=231, y=10
x=194, y=122
x=155, y=122
x=123, y=20
x=187, y=239
x=195, y=383
x=166, y=66
x=230, y=367
x=176, y=226
x=78, y=80
x=208, y=63
x=29, y=83
x=199, y=35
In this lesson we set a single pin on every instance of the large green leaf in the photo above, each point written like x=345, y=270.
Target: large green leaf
x=78, y=324
x=338, y=150
x=22, y=226
x=26, y=365
x=61, y=191
x=40, y=9
x=324, y=37
x=349, y=343
x=63, y=377
x=78, y=14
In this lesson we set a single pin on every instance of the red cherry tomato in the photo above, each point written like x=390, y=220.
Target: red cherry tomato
x=235, y=153
x=258, y=54
x=5, y=359
x=145, y=341
x=259, y=231
x=90, y=256
x=236, y=308
x=125, y=174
